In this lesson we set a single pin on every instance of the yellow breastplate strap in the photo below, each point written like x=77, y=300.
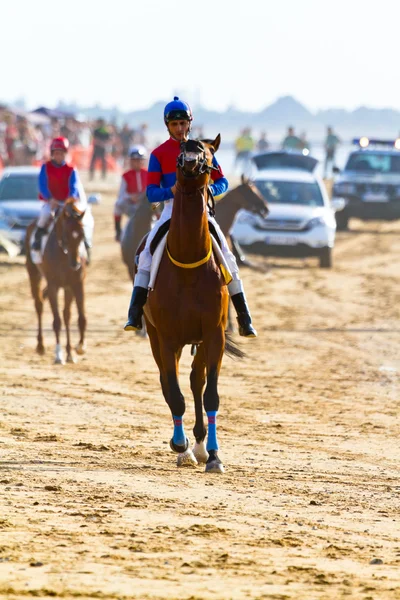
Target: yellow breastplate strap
x=190, y=265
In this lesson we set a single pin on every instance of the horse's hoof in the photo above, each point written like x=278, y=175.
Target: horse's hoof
x=59, y=361
x=200, y=452
x=80, y=349
x=186, y=459
x=71, y=359
x=40, y=350
x=178, y=449
x=214, y=465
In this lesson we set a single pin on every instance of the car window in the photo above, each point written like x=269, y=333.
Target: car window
x=291, y=192
x=373, y=163
x=24, y=187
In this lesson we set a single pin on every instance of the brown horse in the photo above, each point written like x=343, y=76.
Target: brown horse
x=62, y=267
x=189, y=305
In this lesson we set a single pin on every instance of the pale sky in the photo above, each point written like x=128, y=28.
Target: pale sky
x=131, y=53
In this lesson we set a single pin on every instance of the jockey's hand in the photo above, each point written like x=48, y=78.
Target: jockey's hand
x=173, y=189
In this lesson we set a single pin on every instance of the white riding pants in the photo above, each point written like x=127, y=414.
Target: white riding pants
x=143, y=275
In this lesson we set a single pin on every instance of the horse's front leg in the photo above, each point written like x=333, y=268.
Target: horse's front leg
x=68, y=297
x=176, y=402
x=214, y=350
x=197, y=383
x=52, y=291
x=80, y=304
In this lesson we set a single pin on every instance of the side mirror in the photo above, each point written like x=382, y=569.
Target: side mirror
x=94, y=199
x=335, y=170
x=338, y=204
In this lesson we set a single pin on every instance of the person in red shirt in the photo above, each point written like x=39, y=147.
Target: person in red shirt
x=58, y=181
x=133, y=184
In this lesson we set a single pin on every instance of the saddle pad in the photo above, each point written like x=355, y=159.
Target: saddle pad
x=159, y=251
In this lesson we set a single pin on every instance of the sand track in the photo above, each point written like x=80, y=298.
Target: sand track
x=91, y=503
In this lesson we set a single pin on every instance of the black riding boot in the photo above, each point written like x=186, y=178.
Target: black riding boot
x=37, y=243
x=243, y=316
x=88, y=247
x=135, y=312
x=117, y=230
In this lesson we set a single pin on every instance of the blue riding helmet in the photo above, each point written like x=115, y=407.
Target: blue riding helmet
x=177, y=110
x=138, y=152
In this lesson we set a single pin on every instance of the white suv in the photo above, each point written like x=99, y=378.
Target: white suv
x=301, y=221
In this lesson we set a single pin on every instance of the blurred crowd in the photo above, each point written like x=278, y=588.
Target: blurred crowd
x=246, y=145
x=25, y=139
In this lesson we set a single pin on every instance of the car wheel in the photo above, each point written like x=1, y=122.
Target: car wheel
x=325, y=258
x=342, y=220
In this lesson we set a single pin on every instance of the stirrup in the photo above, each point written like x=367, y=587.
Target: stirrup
x=131, y=326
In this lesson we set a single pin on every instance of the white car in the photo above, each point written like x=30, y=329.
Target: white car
x=301, y=221
x=19, y=203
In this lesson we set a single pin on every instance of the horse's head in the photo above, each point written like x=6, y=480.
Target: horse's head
x=195, y=161
x=251, y=199
x=70, y=233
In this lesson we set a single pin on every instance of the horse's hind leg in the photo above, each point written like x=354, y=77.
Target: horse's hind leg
x=214, y=350
x=80, y=304
x=197, y=383
x=53, y=299
x=35, y=279
x=68, y=297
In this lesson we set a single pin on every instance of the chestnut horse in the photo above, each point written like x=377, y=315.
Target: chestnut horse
x=189, y=305
x=62, y=267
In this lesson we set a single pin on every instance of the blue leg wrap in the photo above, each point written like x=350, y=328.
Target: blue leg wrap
x=212, y=443
x=179, y=436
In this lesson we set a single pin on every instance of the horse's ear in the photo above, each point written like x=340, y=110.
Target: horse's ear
x=215, y=144
x=80, y=216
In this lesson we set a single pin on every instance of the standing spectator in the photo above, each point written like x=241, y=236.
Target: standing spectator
x=291, y=141
x=244, y=146
x=263, y=143
x=10, y=137
x=305, y=144
x=101, y=139
x=331, y=143
x=126, y=137
x=140, y=136
x=26, y=144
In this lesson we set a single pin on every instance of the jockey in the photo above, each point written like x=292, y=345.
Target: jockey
x=58, y=181
x=161, y=188
x=133, y=184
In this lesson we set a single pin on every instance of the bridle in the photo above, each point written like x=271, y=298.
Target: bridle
x=203, y=168
x=191, y=156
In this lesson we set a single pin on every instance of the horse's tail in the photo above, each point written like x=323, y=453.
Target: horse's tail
x=232, y=349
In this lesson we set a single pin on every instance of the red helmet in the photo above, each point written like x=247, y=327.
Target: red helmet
x=59, y=143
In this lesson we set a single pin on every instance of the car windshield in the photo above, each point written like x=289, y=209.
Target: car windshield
x=22, y=187
x=373, y=163
x=291, y=192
